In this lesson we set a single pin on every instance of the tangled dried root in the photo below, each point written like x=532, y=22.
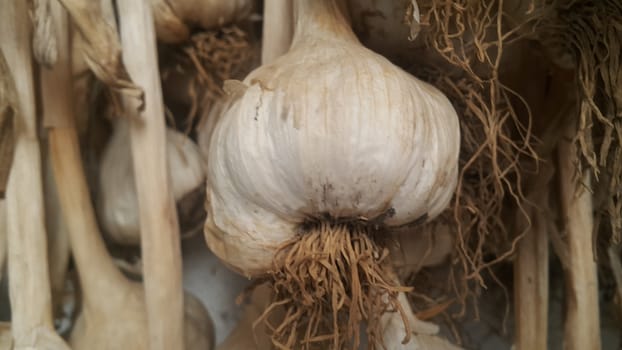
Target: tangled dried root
x=502, y=142
x=469, y=39
x=209, y=58
x=329, y=280
x=586, y=36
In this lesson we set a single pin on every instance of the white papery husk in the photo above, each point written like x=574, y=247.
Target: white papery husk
x=329, y=128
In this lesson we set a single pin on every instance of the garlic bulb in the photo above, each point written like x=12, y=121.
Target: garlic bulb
x=118, y=202
x=316, y=154
x=329, y=128
x=175, y=18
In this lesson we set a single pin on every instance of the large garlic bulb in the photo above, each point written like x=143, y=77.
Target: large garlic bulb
x=330, y=128
x=118, y=203
x=315, y=156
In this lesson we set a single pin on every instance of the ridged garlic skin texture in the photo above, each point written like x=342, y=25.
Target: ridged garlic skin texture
x=329, y=128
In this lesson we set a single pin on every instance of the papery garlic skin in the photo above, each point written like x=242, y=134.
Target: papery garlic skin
x=330, y=128
x=118, y=202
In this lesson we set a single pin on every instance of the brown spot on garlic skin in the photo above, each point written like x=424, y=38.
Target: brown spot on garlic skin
x=326, y=189
x=357, y=198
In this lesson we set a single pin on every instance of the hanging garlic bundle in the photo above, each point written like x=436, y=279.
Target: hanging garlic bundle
x=315, y=157
x=175, y=18
x=114, y=309
x=27, y=265
x=118, y=202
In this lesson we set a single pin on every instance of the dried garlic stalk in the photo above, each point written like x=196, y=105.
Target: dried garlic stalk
x=29, y=289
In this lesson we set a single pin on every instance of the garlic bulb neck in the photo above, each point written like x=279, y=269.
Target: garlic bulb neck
x=320, y=18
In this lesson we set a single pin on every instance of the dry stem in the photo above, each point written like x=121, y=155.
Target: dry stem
x=470, y=40
x=586, y=36
x=531, y=271
x=8, y=110
x=582, y=329
x=278, y=29
x=59, y=250
x=29, y=287
x=160, y=245
x=616, y=268
x=88, y=250
x=329, y=279
x=55, y=95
